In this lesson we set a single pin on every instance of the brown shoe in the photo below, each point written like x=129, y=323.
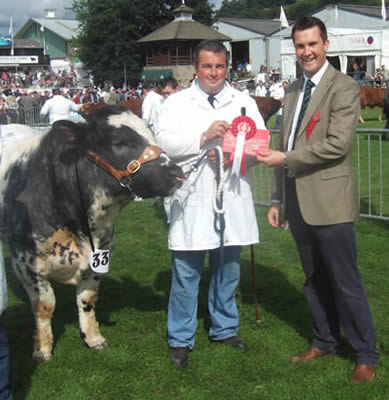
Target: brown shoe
x=363, y=373
x=310, y=354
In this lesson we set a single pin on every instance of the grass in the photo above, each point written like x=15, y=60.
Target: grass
x=132, y=313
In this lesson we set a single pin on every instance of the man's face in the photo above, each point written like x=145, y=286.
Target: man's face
x=167, y=91
x=211, y=71
x=311, y=50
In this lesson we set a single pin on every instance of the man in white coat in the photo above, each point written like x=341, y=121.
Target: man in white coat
x=58, y=107
x=188, y=125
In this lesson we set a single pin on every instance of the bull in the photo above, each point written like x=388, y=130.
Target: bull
x=60, y=194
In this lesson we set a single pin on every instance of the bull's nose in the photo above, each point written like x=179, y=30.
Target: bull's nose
x=178, y=173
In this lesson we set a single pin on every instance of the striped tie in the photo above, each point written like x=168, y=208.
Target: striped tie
x=307, y=96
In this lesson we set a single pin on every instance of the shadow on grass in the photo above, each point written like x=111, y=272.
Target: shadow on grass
x=114, y=295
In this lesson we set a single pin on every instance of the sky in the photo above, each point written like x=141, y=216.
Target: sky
x=22, y=10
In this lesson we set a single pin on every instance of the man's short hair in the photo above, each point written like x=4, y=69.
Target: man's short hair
x=305, y=23
x=56, y=91
x=169, y=81
x=214, y=46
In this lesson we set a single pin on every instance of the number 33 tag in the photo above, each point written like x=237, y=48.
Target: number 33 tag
x=99, y=261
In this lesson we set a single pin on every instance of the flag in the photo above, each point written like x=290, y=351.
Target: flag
x=11, y=28
x=383, y=10
x=11, y=34
x=284, y=21
x=336, y=15
x=42, y=28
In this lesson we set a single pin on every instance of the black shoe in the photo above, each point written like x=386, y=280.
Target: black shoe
x=234, y=341
x=179, y=356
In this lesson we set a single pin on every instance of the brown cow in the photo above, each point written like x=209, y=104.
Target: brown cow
x=267, y=106
x=371, y=97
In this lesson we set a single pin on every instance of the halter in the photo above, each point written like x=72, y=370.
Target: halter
x=123, y=176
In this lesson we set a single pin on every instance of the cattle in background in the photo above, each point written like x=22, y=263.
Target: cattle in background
x=371, y=97
x=60, y=194
x=267, y=106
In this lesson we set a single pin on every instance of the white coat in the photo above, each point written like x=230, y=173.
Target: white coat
x=59, y=107
x=184, y=117
x=151, y=100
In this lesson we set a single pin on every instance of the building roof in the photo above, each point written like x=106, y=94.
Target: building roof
x=65, y=28
x=264, y=27
x=24, y=44
x=370, y=11
x=183, y=30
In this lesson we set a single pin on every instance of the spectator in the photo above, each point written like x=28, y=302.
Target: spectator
x=58, y=107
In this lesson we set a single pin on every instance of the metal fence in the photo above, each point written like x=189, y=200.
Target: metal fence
x=371, y=162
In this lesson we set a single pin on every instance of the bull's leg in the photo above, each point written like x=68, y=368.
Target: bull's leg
x=87, y=291
x=42, y=301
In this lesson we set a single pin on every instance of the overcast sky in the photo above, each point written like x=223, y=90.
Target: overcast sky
x=22, y=10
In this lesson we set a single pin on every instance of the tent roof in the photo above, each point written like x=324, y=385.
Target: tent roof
x=263, y=26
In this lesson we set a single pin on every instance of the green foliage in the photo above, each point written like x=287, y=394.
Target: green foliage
x=107, y=42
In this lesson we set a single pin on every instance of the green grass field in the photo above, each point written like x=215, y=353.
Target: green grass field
x=132, y=313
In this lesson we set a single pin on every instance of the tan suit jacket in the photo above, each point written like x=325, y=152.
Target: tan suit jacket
x=322, y=164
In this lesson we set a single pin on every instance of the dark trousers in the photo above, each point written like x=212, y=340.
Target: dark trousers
x=333, y=286
x=5, y=393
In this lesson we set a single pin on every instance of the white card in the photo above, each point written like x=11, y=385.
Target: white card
x=99, y=261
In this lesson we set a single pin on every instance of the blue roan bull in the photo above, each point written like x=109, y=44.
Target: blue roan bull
x=60, y=195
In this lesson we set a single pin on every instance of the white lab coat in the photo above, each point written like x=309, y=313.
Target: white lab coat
x=59, y=107
x=151, y=100
x=184, y=117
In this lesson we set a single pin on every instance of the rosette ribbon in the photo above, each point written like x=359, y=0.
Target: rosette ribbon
x=314, y=120
x=243, y=128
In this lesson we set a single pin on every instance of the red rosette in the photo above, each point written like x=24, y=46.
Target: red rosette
x=243, y=123
x=314, y=120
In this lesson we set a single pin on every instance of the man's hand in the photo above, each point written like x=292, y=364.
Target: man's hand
x=271, y=158
x=216, y=129
x=273, y=216
x=226, y=158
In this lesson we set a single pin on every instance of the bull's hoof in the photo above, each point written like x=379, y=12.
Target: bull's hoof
x=96, y=343
x=39, y=356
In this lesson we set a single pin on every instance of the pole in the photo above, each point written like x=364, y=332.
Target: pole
x=254, y=282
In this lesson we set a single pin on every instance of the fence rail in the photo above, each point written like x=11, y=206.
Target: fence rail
x=371, y=161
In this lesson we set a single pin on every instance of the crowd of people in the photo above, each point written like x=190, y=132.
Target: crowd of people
x=314, y=190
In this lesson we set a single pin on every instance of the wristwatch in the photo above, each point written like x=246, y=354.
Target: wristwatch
x=284, y=163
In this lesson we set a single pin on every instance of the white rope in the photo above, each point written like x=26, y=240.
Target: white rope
x=219, y=187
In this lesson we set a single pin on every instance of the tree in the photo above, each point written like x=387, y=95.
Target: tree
x=107, y=40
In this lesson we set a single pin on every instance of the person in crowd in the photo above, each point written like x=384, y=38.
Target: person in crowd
x=151, y=99
x=315, y=184
x=113, y=97
x=261, y=90
x=279, y=94
x=168, y=87
x=262, y=74
x=58, y=107
x=3, y=111
x=192, y=121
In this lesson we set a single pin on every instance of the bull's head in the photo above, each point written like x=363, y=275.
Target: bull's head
x=118, y=142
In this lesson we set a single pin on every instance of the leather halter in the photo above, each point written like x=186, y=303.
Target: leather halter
x=150, y=153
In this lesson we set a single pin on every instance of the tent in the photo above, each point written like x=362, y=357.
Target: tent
x=344, y=42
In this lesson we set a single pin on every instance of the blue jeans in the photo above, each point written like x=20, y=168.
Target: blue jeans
x=183, y=300
x=5, y=393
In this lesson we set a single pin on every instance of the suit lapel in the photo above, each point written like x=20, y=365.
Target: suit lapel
x=321, y=90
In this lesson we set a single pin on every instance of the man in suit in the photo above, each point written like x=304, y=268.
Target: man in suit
x=315, y=186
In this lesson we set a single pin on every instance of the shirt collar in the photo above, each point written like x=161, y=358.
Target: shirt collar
x=217, y=96
x=319, y=74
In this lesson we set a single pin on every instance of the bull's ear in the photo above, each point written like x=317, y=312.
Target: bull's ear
x=70, y=131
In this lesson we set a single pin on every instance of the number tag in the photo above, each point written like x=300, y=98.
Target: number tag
x=99, y=261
